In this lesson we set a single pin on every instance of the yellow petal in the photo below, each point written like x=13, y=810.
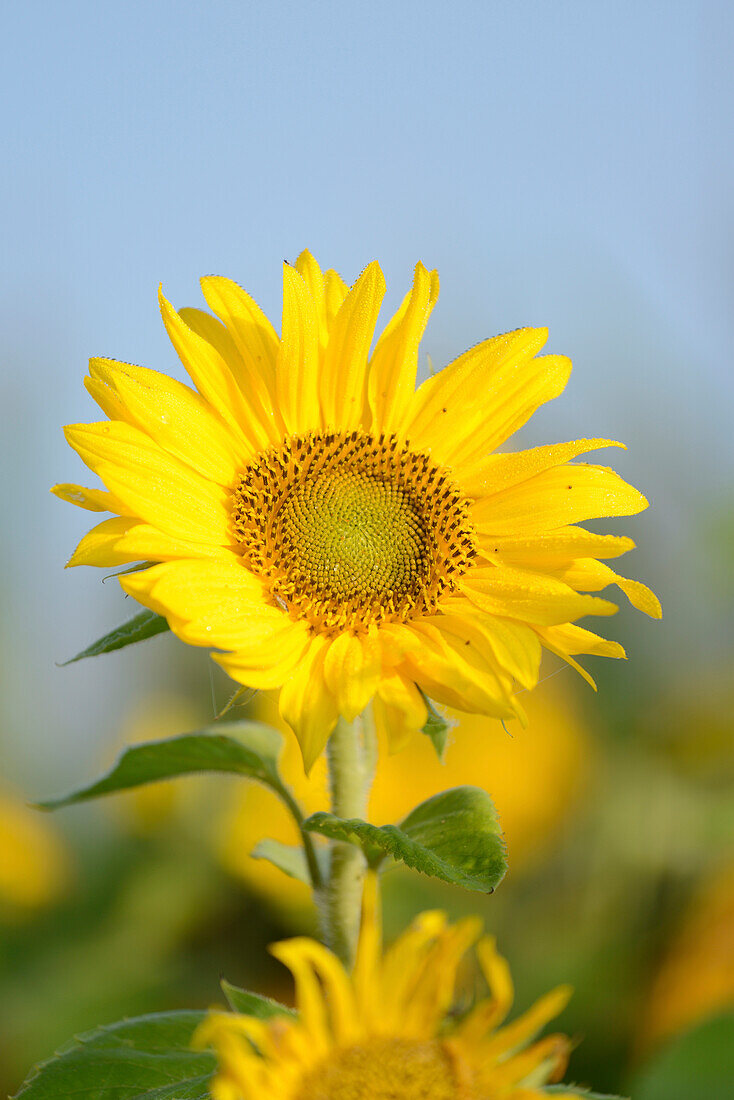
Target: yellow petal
x=589, y=575
x=253, y=335
x=152, y=484
x=269, y=663
x=531, y=597
x=568, y=638
x=513, y=646
x=175, y=417
x=473, y=405
x=123, y=539
x=394, y=363
x=192, y=589
x=307, y=705
x=500, y=471
x=540, y=550
x=307, y=266
x=400, y=709
x=352, y=667
x=344, y=374
x=297, y=371
x=94, y=500
x=525, y=1027
x=214, y=380
x=335, y=291
x=310, y=1000
x=301, y=955
x=452, y=673
x=555, y=498
x=487, y=1015
x=366, y=976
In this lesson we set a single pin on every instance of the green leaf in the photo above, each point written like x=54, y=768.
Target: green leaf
x=145, y=625
x=148, y=1058
x=287, y=858
x=698, y=1064
x=436, y=727
x=252, y=1004
x=241, y=748
x=454, y=836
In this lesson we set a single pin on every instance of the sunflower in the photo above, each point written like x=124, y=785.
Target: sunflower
x=388, y=1032
x=337, y=534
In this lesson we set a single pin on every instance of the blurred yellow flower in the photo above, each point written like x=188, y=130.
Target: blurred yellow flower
x=534, y=778
x=696, y=977
x=337, y=534
x=387, y=1032
x=34, y=861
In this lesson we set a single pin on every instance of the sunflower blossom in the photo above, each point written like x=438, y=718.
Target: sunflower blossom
x=388, y=1032
x=335, y=533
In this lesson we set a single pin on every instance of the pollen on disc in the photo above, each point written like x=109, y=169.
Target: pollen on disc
x=350, y=530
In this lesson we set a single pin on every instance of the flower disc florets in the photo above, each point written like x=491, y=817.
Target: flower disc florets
x=350, y=529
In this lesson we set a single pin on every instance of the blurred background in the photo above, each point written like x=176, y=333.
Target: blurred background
x=567, y=164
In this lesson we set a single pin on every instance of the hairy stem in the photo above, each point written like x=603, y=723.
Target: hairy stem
x=351, y=753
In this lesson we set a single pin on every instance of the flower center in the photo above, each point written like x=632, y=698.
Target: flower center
x=386, y=1069
x=350, y=529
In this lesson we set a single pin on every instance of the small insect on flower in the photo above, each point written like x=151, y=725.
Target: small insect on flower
x=337, y=534
x=388, y=1032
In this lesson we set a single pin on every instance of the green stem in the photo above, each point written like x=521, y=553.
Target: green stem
x=314, y=869
x=351, y=754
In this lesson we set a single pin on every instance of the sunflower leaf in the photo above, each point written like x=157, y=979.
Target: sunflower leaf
x=240, y=748
x=253, y=1004
x=454, y=836
x=147, y=1058
x=142, y=626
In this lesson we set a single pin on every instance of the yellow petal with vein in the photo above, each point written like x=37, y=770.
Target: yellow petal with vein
x=307, y=705
x=307, y=266
x=500, y=471
x=297, y=371
x=178, y=419
x=254, y=336
x=352, y=667
x=513, y=646
x=214, y=379
x=151, y=483
x=555, y=498
x=400, y=709
x=461, y=413
x=123, y=539
x=94, y=500
x=343, y=381
x=394, y=362
x=542, y=550
x=532, y=597
x=589, y=575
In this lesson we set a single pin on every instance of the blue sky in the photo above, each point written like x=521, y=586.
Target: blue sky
x=560, y=163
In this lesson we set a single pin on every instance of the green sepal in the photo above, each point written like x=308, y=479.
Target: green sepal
x=147, y=1058
x=242, y=748
x=436, y=727
x=142, y=626
x=253, y=1004
x=454, y=836
x=289, y=859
